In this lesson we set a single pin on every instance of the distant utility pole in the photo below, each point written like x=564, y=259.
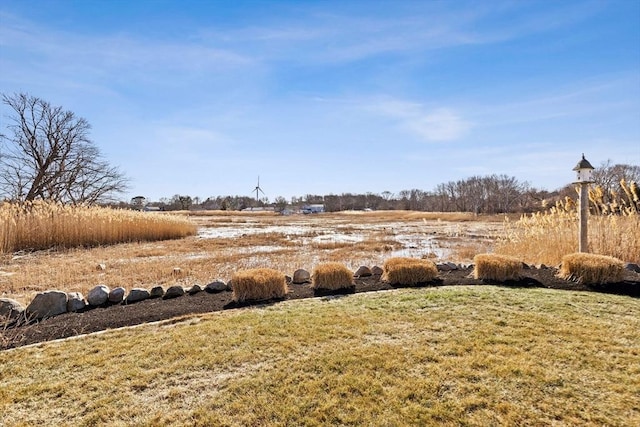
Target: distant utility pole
x=585, y=177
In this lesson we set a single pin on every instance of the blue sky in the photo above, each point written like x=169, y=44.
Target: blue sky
x=318, y=97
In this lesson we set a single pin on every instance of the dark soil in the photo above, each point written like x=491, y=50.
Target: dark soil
x=120, y=315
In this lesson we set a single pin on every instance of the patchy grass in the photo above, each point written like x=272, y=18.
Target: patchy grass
x=434, y=356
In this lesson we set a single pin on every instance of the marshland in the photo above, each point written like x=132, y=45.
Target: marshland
x=431, y=139
x=447, y=355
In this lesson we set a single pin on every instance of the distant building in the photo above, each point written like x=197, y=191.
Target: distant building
x=312, y=209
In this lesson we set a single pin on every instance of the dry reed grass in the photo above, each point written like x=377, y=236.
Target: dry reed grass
x=544, y=238
x=408, y=271
x=44, y=225
x=591, y=269
x=258, y=284
x=496, y=267
x=331, y=276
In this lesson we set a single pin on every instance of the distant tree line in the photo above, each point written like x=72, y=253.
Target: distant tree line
x=481, y=195
x=491, y=194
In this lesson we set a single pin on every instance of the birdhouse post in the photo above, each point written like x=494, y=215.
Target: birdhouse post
x=584, y=172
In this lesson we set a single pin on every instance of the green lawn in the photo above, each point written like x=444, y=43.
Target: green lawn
x=435, y=356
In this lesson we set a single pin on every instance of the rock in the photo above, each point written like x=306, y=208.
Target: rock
x=137, y=294
x=174, y=292
x=526, y=266
x=301, y=276
x=47, y=304
x=376, y=271
x=216, y=286
x=75, y=302
x=98, y=295
x=363, y=271
x=444, y=267
x=632, y=267
x=156, y=292
x=453, y=265
x=10, y=309
x=195, y=289
x=116, y=296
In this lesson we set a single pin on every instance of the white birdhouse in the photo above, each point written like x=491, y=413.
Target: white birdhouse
x=584, y=171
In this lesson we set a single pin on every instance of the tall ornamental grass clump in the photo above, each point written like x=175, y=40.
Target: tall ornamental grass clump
x=408, y=271
x=545, y=237
x=495, y=267
x=258, y=284
x=591, y=269
x=331, y=276
x=43, y=225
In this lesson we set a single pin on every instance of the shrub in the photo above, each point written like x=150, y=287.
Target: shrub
x=591, y=269
x=408, y=271
x=496, y=267
x=258, y=284
x=332, y=276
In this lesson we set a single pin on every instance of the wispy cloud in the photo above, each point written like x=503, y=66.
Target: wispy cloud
x=345, y=36
x=114, y=55
x=433, y=125
x=341, y=36
x=604, y=95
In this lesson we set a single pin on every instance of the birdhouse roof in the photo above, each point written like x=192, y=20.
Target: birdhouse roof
x=583, y=164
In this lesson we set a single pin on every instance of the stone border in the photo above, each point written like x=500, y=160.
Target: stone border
x=53, y=303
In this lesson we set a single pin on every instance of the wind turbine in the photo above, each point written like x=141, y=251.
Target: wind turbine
x=258, y=190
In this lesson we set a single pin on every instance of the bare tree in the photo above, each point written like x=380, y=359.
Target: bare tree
x=47, y=154
x=608, y=177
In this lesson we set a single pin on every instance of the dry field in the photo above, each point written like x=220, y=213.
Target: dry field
x=227, y=242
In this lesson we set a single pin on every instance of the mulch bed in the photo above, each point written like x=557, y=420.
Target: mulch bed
x=120, y=315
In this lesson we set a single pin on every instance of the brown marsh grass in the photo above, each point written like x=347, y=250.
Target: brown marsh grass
x=331, y=276
x=408, y=271
x=591, y=269
x=544, y=238
x=247, y=240
x=44, y=225
x=496, y=267
x=258, y=284
x=477, y=356
x=426, y=216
